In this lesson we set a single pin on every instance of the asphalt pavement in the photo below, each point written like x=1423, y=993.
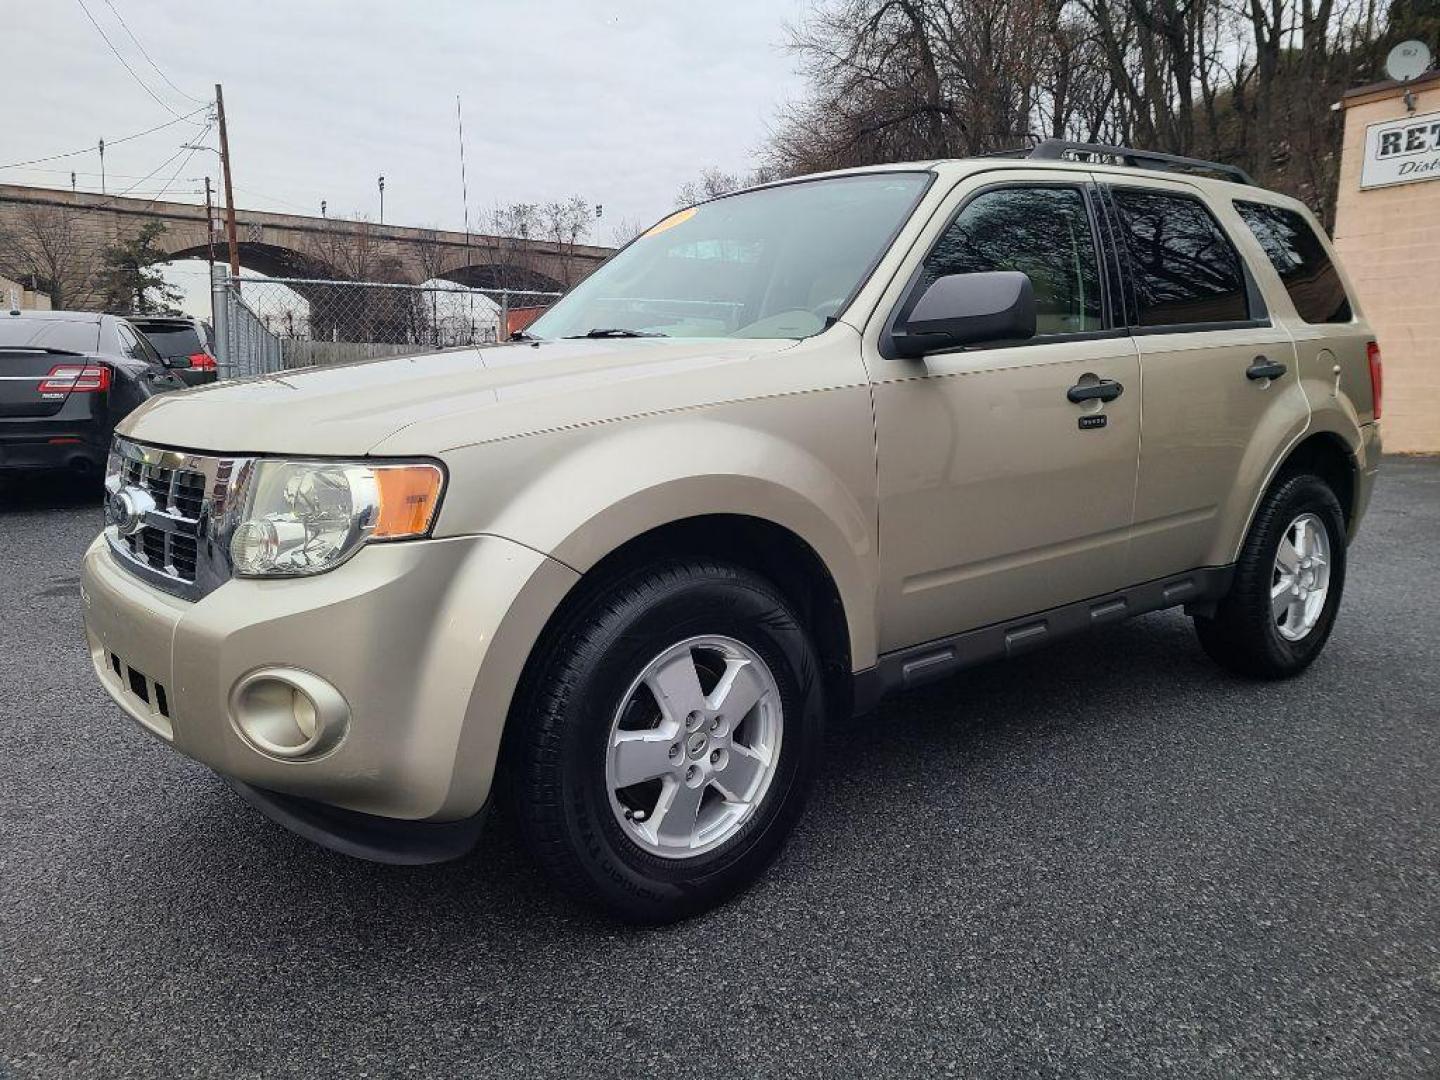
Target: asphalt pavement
x=1108, y=859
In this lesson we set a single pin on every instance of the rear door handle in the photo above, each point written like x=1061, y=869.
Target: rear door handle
x=1265, y=369
x=1104, y=390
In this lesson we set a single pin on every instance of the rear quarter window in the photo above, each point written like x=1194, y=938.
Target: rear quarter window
x=1299, y=257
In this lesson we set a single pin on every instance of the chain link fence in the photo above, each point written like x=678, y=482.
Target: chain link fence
x=313, y=321
x=243, y=344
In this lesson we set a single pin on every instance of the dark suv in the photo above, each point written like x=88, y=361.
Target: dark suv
x=66, y=378
x=183, y=343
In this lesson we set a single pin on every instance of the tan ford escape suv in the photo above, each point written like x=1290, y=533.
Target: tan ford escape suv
x=790, y=450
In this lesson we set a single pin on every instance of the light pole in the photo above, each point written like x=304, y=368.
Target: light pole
x=382, y=200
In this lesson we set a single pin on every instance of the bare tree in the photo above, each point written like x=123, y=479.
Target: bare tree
x=711, y=182
x=1244, y=81
x=562, y=223
x=350, y=251
x=48, y=250
x=625, y=230
x=517, y=226
x=565, y=224
x=429, y=254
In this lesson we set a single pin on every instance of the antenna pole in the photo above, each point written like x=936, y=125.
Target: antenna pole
x=464, y=191
x=465, y=207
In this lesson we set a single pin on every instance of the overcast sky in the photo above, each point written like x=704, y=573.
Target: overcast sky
x=619, y=101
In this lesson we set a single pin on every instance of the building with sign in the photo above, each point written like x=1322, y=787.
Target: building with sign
x=1387, y=229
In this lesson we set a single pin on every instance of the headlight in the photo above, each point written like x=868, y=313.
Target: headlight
x=306, y=517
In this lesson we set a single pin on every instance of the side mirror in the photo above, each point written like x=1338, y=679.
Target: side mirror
x=967, y=309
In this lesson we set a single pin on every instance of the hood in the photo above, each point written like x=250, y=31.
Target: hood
x=497, y=391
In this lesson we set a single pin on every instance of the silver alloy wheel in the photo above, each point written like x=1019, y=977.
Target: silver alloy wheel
x=1301, y=578
x=693, y=746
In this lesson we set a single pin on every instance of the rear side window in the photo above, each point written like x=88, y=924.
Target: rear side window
x=134, y=346
x=71, y=335
x=1184, y=267
x=1045, y=233
x=1302, y=262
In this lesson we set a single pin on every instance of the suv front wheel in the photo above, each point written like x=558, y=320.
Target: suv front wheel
x=1287, y=586
x=666, y=740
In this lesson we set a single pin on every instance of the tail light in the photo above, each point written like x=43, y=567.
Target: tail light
x=202, y=361
x=76, y=379
x=1377, y=375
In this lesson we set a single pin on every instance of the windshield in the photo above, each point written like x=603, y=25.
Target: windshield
x=71, y=335
x=772, y=263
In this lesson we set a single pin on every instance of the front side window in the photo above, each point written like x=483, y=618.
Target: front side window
x=1300, y=259
x=1043, y=232
x=772, y=263
x=1184, y=267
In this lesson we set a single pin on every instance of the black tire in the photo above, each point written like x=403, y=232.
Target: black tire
x=1243, y=634
x=562, y=724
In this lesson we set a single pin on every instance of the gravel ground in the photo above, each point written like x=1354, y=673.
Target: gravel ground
x=1108, y=859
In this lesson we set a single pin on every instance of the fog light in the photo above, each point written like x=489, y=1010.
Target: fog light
x=288, y=713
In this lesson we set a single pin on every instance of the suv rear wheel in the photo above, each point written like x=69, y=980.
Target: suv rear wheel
x=666, y=740
x=1288, y=582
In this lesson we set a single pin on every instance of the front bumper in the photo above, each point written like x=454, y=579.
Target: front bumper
x=424, y=640
x=366, y=836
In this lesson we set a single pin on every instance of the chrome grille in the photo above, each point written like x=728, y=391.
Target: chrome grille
x=170, y=547
x=180, y=544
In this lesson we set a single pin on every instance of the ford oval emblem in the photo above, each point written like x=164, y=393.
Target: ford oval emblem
x=126, y=509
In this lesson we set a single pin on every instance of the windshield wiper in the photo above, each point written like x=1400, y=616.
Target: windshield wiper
x=616, y=331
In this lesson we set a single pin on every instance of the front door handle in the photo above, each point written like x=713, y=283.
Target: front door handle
x=1104, y=390
x=1265, y=369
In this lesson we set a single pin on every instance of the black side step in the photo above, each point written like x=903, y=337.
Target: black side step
x=905, y=669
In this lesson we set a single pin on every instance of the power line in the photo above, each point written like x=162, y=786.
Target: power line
x=134, y=186
x=125, y=63
x=108, y=142
x=112, y=175
x=145, y=54
x=180, y=168
x=273, y=198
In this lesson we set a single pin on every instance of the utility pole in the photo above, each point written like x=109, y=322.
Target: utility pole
x=229, y=191
x=210, y=228
x=382, y=200
x=102, y=166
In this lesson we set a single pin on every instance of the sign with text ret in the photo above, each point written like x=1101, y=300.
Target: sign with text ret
x=1401, y=151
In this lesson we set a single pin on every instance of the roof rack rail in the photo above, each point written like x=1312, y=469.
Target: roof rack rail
x=1059, y=149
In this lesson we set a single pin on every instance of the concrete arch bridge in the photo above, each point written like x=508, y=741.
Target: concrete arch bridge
x=34, y=221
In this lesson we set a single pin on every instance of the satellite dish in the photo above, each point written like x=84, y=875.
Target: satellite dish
x=1408, y=60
